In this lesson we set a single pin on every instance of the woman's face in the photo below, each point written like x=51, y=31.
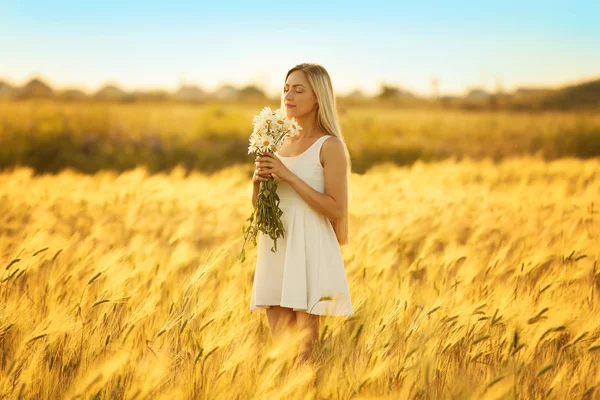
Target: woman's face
x=298, y=96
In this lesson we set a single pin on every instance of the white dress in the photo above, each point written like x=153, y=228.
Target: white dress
x=307, y=272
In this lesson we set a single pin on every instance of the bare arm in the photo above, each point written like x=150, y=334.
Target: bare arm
x=332, y=203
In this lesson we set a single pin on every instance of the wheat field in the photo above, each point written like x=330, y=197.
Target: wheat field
x=469, y=279
x=93, y=136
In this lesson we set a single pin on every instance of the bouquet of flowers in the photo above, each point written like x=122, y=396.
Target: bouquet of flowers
x=270, y=129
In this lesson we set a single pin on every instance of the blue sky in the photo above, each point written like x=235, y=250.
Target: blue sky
x=149, y=44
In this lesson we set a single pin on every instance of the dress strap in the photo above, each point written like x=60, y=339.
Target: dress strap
x=317, y=147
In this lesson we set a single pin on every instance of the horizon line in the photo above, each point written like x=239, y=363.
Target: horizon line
x=270, y=93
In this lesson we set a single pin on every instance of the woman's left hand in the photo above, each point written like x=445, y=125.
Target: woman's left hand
x=270, y=164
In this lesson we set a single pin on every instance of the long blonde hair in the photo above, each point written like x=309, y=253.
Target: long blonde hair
x=327, y=120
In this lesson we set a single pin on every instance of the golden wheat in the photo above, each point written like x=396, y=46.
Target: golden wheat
x=473, y=280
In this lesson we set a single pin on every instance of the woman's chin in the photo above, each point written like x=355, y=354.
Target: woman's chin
x=291, y=113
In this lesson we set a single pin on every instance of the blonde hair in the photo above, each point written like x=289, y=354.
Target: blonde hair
x=327, y=120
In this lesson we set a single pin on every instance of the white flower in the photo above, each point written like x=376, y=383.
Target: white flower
x=267, y=114
x=279, y=121
x=252, y=148
x=280, y=114
x=260, y=118
x=260, y=129
x=294, y=128
x=270, y=129
x=266, y=111
x=265, y=123
x=269, y=119
x=265, y=142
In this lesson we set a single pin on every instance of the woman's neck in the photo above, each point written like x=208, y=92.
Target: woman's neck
x=309, y=126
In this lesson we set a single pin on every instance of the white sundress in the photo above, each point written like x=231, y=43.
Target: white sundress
x=308, y=264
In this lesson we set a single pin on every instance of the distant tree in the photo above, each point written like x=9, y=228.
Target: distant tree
x=357, y=94
x=151, y=95
x=225, y=92
x=252, y=91
x=35, y=88
x=190, y=93
x=110, y=92
x=72, y=94
x=6, y=90
x=388, y=92
x=584, y=95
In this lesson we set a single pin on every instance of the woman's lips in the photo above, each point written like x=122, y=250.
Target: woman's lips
x=290, y=106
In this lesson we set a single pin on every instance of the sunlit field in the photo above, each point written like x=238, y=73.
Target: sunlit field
x=91, y=136
x=469, y=280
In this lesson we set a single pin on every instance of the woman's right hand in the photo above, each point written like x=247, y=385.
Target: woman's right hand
x=256, y=177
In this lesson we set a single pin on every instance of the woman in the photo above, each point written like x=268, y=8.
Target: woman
x=306, y=277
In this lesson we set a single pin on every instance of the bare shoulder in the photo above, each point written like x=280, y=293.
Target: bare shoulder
x=332, y=150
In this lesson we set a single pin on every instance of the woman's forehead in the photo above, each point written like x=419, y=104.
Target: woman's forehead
x=297, y=77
